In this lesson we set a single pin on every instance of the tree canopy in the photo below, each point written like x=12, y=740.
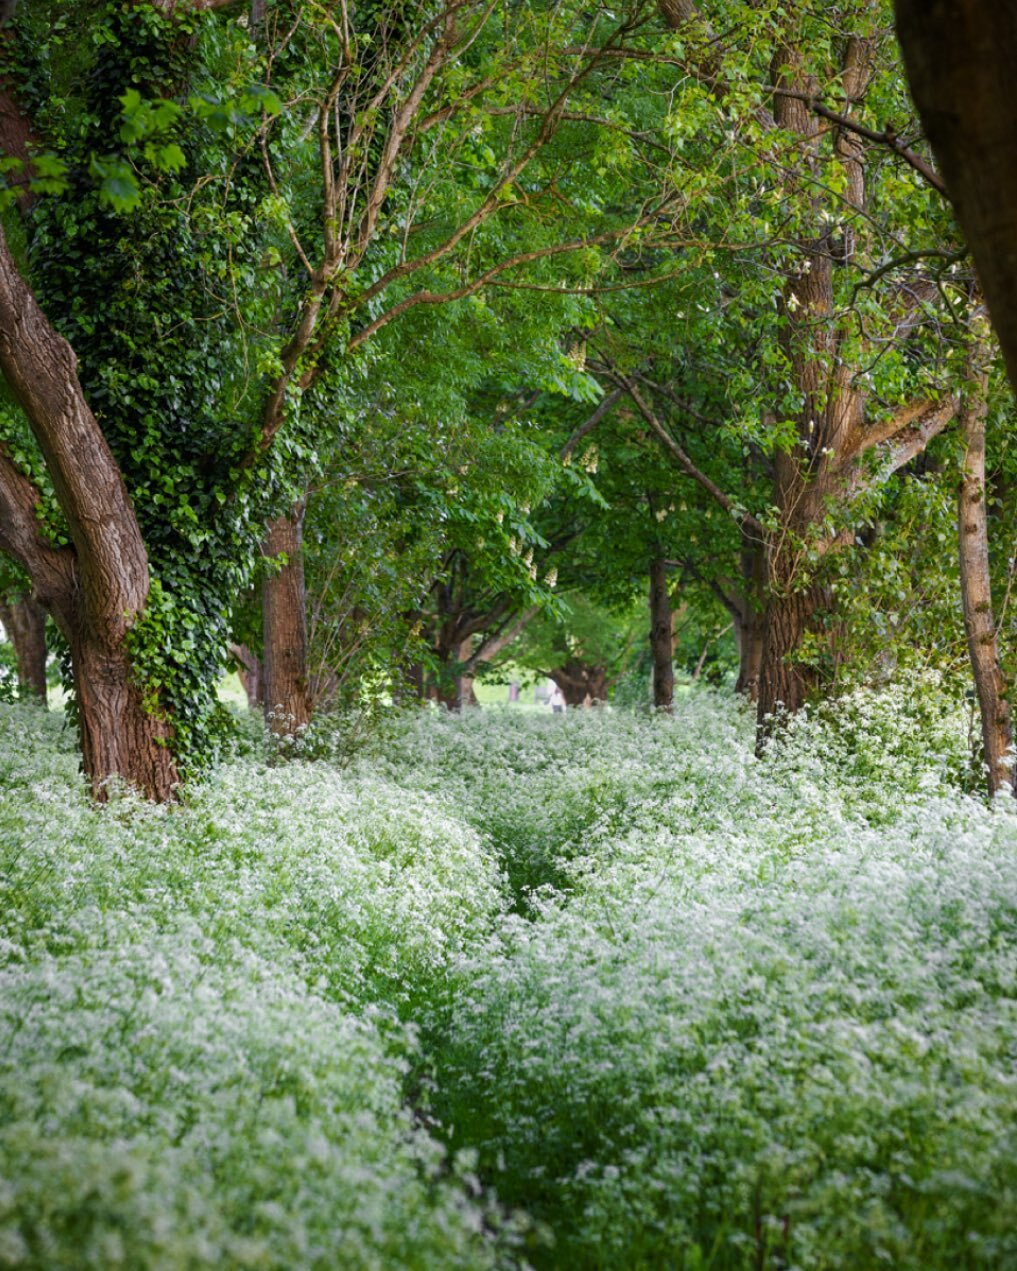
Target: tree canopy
x=348, y=344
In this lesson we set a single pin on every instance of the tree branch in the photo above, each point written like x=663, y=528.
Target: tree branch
x=888, y=137
x=478, y=283
x=606, y=406
x=494, y=201
x=744, y=518
x=913, y=440
x=917, y=417
x=51, y=569
x=493, y=645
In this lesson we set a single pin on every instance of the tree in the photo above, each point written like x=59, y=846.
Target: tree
x=473, y=78
x=97, y=586
x=842, y=407
x=227, y=222
x=975, y=579
x=959, y=60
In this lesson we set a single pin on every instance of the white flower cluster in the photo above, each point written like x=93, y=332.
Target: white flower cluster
x=203, y=1056
x=682, y=1006
x=767, y=1017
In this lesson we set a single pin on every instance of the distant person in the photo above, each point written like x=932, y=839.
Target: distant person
x=514, y=691
x=556, y=701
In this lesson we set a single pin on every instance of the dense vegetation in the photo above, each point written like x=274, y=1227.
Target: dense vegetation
x=628, y=366
x=765, y=1017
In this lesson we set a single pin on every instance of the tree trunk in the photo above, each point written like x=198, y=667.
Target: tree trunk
x=749, y=628
x=120, y=736
x=284, y=617
x=748, y=617
x=960, y=61
x=784, y=683
x=581, y=683
x=661, y=636
x=25, y=622
x=464, y=694
x=976, y=593
x=250, y=672
x=97, y=588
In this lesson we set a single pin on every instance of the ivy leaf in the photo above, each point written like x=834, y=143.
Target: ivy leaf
x=49, y=175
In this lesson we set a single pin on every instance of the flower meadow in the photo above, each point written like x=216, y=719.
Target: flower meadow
x=601, y=990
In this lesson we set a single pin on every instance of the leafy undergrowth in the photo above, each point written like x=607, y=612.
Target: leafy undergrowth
x=204, y=1017
x=677, y=1006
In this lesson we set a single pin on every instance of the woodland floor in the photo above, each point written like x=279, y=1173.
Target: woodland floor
x=593, y=991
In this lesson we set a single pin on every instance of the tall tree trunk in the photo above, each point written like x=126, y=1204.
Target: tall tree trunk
x=284, y=617
x=97, y=588
x=976, y=591
x=661, y=647
x=25, y=622
x=960, y=61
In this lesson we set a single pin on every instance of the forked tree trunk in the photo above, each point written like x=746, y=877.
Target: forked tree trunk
x=661, y=644
x=581, y=682
x=25, y=622
x=284, y=617
x=96, y=589
x=976, y=593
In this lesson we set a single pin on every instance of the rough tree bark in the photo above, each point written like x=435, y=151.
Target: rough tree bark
x=287, y=697
x=96, y=590
x=785, y=683
x=976, y=591
x=661, y=644
x=24, y=621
